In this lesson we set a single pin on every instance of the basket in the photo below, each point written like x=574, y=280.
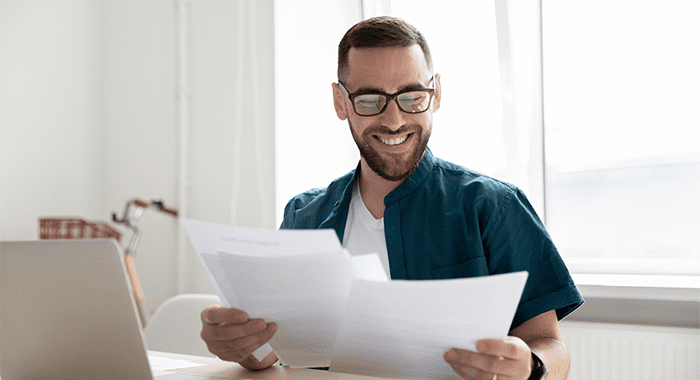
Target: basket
x=75, y=228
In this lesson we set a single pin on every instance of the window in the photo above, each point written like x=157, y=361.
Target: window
x=467, y=128
x=488, y=54
x=622, y=130
x=312, y=147
x=622, y=126
x=591, y=108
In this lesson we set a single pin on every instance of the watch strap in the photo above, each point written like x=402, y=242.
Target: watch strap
x=539, y=371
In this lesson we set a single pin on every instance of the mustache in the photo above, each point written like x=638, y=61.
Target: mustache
x=404, y=129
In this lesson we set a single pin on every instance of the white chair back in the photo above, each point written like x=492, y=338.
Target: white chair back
x=175, y=326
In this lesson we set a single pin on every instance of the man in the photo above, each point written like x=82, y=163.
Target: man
x=427, y=218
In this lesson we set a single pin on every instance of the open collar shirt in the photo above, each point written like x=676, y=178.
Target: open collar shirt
x=444, y=222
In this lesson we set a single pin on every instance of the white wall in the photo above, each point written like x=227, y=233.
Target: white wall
x=49, y=113
x=140, y=129
x=89, y=120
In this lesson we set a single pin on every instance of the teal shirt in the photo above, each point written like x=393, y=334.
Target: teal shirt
x=445, y=221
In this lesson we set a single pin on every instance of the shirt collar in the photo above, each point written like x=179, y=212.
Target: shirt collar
x=338, y=217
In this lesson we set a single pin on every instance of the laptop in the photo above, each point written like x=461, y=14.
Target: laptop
x=66, y=312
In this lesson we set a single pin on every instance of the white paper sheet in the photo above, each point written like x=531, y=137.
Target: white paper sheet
x=159, y=363
x=304, y=295
x=334, y=309
x=403, y=328
x=212, y=237
x=368, y=267
x=298, y=279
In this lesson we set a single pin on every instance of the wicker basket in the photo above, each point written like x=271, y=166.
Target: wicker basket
x=75, y=228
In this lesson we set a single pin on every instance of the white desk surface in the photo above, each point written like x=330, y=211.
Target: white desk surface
x=228, y=370
x=225, y=370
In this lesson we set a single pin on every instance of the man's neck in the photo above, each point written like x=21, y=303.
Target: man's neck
x=374, y=188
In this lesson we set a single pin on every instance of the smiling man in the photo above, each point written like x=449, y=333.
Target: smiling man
x=391, y=130
x=427, y=218
x=390, y=146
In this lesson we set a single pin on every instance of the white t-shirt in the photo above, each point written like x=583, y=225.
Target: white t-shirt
x=364, y=233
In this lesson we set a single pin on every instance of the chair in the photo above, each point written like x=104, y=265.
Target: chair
x=175, y=326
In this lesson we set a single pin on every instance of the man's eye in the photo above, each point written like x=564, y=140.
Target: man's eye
x=412, y=98
x=369, y=103
x=368, y=99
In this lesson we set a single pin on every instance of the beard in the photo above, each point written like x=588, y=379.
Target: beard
x=392, y=167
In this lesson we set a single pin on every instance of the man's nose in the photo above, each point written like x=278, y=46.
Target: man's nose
x=392, y=117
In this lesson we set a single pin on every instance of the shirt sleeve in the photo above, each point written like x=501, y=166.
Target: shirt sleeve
x=289, y=214
x=515, y=239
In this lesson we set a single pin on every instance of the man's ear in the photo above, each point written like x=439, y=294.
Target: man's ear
x=339, y=102
x=438, y=93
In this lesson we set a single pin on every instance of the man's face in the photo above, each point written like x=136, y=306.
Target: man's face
x=393, y=142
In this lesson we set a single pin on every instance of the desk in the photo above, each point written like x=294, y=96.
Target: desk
x=226, y=370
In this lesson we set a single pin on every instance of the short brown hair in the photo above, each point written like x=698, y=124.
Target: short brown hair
x=381, y=31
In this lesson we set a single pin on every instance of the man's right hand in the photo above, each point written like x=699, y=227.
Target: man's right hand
x=231, y=335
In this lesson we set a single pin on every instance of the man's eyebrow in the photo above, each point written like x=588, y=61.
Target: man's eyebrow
x=413, y=86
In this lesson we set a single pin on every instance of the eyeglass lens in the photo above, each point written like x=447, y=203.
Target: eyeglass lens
x=411, y=102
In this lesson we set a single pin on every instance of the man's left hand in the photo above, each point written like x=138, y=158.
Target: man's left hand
x=510, y=358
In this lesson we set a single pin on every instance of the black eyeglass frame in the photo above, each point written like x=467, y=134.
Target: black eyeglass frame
x=390, y=97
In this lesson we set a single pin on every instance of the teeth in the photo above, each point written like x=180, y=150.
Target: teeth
x=395, y=141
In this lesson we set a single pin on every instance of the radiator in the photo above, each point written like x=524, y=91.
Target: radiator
x=602, y=351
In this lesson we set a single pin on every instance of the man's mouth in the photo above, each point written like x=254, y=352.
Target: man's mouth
x=394, y=141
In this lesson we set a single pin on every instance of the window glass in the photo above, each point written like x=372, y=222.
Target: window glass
x=313, y=147
x=621, y=117
x=467, y=127
x=622, y=128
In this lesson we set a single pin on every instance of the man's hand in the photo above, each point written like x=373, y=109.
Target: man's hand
x=507, y=359
x=231, y=335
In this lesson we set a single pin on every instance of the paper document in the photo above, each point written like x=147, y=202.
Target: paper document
x=160, y=363
x=298, y=279
x=337, y=310
x=403, y=328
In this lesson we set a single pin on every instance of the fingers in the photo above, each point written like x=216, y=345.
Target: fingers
x=240, y=350
x=223, y=324
x=509, y=358
x=472, y=365
x=509, y=348
x=215, y=314
x=232, y=331
x=232, y=335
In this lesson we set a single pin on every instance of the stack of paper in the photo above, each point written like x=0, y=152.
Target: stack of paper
x=403, y=328
x=298, y=279
x=340, y=311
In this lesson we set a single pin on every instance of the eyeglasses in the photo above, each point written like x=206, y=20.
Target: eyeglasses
x=371, y=103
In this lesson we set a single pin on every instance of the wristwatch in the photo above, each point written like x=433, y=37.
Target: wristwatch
x=539, y=371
